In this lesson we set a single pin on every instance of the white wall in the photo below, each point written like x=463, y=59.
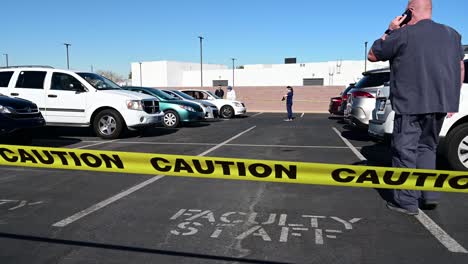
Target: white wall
x=182, y=74
x=284, y=74
x=167, y=73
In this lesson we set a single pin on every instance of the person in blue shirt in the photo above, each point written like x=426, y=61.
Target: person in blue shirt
x=289, y=103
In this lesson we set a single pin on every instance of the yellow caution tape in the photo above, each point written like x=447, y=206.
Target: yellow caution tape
x=234, y=169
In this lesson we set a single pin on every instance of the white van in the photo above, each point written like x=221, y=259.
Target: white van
x=80, y=99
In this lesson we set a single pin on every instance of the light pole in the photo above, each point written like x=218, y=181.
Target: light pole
x=365, y=56
x=6, y=58
x=141, y=76
x=233, y=70
x=68, y=56
x=201, y=60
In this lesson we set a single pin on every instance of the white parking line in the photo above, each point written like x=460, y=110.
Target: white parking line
x=133, y=189
x=203, y=144
x=98, y=143
x=445, y=239
x=302, y=115
x=285, y=146
x=257, y=114
x=353, y=149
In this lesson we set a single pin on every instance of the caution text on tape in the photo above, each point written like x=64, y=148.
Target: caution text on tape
x=234, y=169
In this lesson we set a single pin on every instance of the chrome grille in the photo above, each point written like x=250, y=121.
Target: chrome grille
x=27, y=110
x=151, y=106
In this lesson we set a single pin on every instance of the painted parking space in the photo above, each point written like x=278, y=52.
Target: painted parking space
x=257, y=221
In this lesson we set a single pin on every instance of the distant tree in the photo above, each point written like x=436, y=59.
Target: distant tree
x=130, y=76
x=115, y=77
x=240, y=67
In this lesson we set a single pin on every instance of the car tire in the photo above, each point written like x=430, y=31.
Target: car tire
x=227, y=111
x=171, y=119
x=108, y=124
x=456, y=148
x=22, y=137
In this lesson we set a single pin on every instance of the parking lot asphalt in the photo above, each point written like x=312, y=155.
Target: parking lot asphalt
x=86, y=217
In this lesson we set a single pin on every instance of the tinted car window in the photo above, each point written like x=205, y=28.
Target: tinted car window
x=191, y=93
x=5, y=78
x=183, y=95
x=373, y=80
x=31, y=80
x=65, y=82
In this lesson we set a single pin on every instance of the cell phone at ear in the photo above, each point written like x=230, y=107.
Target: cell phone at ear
x=409, y=16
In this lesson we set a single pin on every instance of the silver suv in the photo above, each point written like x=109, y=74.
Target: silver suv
x=361, y=99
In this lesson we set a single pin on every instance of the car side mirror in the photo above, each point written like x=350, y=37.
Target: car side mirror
x=79, y=88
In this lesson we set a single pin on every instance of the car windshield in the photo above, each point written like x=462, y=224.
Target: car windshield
x=162, y=95
x=373, y=80
x=99, y=82
x=183, y=95
x=212, y=94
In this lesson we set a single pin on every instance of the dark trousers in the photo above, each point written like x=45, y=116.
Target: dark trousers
x=414, y=145
x=289, y=109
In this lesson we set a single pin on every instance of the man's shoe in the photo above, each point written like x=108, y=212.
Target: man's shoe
x=395, y=208
x=429, y=205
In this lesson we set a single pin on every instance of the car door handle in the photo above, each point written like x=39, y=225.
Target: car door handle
x=52, y=96
x=14, y=94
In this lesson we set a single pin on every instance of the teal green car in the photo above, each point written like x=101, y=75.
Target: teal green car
x=176, y=112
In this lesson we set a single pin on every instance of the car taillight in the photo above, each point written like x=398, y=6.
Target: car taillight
x=336, y=100
x=345, y=97
x=361, y=94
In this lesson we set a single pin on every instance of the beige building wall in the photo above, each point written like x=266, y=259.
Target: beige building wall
x=307, y=99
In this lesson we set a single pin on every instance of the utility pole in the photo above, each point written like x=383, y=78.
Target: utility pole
x=92, y=69
x=68, y=55
x=6, y=58
x=141, y=76
x=365, y=56
x=233, y=70
x=201, y=60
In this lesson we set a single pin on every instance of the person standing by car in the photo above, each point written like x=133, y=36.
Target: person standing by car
x=289, y=103
x=231, y=94
x=219, y=92
x=426, y=64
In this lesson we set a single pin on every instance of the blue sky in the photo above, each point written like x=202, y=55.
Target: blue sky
x=111, y=34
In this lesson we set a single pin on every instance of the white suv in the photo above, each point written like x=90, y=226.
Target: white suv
x=81, y=99
x=453, y=144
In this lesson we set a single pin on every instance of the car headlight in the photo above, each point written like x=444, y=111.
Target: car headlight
x=135, y=105
x=4, y=110
x=237, y=104
x=188, y=108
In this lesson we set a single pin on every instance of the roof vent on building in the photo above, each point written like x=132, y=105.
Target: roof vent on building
x=290, y=61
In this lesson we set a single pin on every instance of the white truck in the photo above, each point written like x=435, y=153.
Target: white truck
x=80, y=99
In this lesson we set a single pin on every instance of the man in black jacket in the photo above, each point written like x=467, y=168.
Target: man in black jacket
x=219, y=92
x=426, y=64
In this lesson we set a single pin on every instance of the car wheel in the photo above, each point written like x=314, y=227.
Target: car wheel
x=108, y=124
x=171, y=119
x=227, y=111
x=456, y=149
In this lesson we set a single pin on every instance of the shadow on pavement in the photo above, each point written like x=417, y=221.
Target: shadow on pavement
x=151, y=132
x=356, y=135
x=128, y=248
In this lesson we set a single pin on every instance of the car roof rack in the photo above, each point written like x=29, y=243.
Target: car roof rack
x=28, y=66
